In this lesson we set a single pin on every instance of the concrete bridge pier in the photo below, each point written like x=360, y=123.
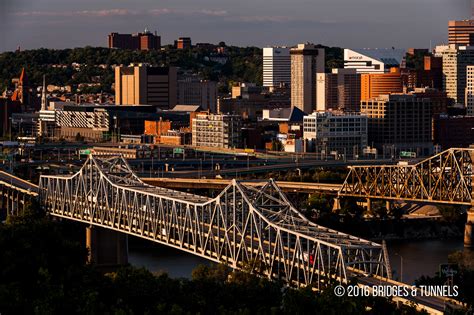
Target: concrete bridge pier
x=107, y=248
x=337, y=204
x=469, y=231
x=369, y=204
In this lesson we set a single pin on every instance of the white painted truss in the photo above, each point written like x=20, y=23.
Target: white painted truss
x=243, y=227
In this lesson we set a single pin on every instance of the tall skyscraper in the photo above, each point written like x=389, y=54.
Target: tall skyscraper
x=139, y=84
x=455, y=61
x=276, y=66
x=342, y=89
x=138, y=41
x=461, y=32
x=306, y=62
x=470, y=90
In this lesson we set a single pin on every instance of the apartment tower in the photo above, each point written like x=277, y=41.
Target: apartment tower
x=306, y=62
x=455, y=61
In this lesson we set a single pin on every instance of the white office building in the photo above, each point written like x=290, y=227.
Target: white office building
x=373, y=60
x=276, y=66
x=335, y=133
x=456, y=59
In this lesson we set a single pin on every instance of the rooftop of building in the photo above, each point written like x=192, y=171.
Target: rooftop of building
x=389, y=56
x=290, y=114
x=187, y=108
x=336, y=113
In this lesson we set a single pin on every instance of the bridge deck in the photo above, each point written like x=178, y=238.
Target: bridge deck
x=192, y=183
x=17, y=183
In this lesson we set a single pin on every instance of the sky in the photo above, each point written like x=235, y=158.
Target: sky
x=345, y=23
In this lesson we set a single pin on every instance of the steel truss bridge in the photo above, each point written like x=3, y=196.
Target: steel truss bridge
x=243, y=227
x=445, y=178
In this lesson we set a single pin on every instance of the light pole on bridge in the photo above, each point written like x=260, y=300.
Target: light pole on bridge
x=401, y=266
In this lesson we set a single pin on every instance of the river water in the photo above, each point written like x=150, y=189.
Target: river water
x=419, y=258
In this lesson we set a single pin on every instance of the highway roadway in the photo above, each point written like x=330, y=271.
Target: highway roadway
x=235, y=172
x=190, y=183
x=17, y=183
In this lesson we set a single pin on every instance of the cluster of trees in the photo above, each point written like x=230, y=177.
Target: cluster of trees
x=315, y=175
x=244, y=64
x=43, y=270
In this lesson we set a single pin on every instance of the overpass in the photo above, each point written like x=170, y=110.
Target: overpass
x=189, y=183
x=15, y=194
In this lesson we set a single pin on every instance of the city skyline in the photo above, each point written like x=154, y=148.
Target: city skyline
x=67, y=24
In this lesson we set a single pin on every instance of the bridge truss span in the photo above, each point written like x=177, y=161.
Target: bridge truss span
x=243, y=227
x=444, y=178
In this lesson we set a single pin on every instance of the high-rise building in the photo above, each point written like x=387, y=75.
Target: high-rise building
x=220, y=131
x=400, y=122
x=306, y=62
x=139, y=84
x=342, y=89
x=461, y=32
x=192, y=91
x=455, y=61
x=276, y=66
x=470, y=90
x=183, y=43
x=373, y=85
x=344, y=133
x=373, y=60
x=138, y=41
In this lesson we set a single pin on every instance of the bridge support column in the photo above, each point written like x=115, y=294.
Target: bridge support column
x=369, y=204
x=337, y=204
x=3, y=208
x=388, y=206
x=9, y=202
x=107, y=248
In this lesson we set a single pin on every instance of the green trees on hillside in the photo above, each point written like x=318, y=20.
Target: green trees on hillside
x=244, y=64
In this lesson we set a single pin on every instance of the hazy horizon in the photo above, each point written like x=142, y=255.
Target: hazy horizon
x=343, y=23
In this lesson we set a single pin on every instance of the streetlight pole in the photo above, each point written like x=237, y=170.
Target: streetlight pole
x=401, y=266
x=115, y=129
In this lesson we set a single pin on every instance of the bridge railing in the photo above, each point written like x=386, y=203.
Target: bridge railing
x=242, y=227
